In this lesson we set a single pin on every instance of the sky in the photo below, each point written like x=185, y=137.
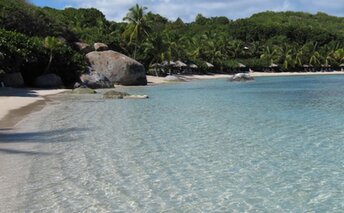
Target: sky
x=188, y=9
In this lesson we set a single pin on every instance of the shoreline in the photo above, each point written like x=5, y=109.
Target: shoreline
x=16, y=157
x=16, y=103
x=278, y=74
x=154, y=80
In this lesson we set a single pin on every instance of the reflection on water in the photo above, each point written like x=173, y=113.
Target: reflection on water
x=272, y=145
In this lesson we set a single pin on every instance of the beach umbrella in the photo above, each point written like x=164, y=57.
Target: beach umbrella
x=342, y=65
x=241, y=65
x=155, y=65
x=165, y=63
x=193, y=66
x=209, y=65
x=180, y=64
x=273, y=65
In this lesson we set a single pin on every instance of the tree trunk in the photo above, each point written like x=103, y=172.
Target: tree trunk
x=49, y=63
x=135, y=52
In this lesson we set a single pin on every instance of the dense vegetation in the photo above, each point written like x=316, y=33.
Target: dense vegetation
x=288, y=39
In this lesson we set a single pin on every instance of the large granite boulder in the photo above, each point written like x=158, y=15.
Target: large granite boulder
x=49, y=81
x=12, y=80
x=100, y=47
x=95, y=80
x=118, y=68
x=83, y=47
x=241, y=77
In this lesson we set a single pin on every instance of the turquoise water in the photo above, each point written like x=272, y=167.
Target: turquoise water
x=272, y=145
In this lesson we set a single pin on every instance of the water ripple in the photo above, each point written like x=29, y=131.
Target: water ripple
x=274, y=145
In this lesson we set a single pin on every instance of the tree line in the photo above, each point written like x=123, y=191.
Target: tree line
x=291, y=40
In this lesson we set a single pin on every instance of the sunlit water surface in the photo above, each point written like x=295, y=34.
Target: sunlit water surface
x=272, y=145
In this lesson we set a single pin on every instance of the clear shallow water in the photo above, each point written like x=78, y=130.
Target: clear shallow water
x=272, y=145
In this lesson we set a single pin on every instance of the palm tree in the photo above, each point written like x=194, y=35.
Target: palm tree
x=50, y=43
x=285, y=55
x=339, y=55
x=235, y=48
x=171, y=49
x=299, y=57
x=137, y=26
x=154, y=49
x=192, y=48
x=312, y=54
x=269, y=54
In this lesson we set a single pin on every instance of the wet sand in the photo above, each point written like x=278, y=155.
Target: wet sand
x=16, y=103
x=16, y=150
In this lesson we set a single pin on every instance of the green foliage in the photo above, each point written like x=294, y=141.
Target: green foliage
x=28, y=55
x=137, y=28
x=22, y=17
x=289, y=39
x=17, y=50
x=30, y=39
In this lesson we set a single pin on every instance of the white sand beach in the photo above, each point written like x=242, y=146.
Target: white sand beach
x=12, y=99
x=160, y=80
x=262, y=74
x=14, y=167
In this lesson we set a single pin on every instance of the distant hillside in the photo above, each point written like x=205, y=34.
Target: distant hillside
x=295, y=26
x=25, y=18
x=320, y=20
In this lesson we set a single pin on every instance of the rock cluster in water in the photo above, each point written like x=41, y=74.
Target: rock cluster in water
x=95, y=80
x=241, y=77
x=83, y=90
x=113, y=94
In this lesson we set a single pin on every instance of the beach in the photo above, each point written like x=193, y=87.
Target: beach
x=18, y=101
x=160, y=80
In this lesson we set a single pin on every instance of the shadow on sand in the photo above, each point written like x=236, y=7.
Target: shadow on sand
x=55, y=136
x=18, y=92
x=23, y=152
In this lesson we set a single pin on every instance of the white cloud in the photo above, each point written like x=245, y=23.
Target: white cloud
x=188, y=9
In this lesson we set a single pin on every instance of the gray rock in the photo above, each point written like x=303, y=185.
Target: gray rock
x=49, y=81
x=95, y=80
x=82, y=91
x=83, y=47
x=136, y=97
x=12, y=79
x=241, y=77
x=76, y=85
x=118, y=68
x=112, y=94
x=100, y=47
x=173, y=78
